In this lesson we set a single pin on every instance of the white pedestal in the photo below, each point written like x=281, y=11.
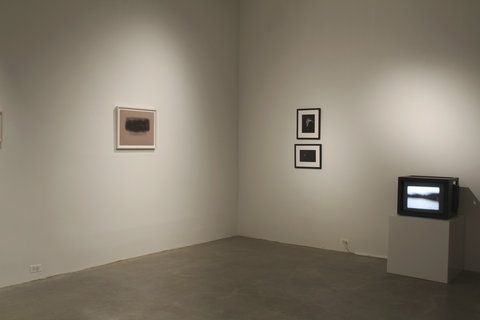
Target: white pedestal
x=425, y=248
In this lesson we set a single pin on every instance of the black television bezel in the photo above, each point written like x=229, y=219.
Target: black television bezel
x=448, y=198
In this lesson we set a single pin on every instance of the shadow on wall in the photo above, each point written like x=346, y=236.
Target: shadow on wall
x=470, y=206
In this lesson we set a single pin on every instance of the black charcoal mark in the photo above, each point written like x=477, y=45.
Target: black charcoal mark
x=137, y=125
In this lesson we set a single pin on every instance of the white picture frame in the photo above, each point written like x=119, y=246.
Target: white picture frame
x=135, y=128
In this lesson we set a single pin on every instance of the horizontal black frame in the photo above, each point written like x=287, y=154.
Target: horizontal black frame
x=309, y=162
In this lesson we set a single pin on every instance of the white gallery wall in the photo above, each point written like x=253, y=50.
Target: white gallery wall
x=68, y=199
x=399, y=87
x=398, y=83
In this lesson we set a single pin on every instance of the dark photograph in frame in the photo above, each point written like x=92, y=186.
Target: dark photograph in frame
x=308, y=123
x=308, y=156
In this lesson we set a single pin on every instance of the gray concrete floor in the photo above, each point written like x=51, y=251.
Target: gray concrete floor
x=241, y=278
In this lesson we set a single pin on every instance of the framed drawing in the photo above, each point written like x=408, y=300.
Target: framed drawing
x=308, y=123
x=135, y=128
x=1, y=126
x=308, y=156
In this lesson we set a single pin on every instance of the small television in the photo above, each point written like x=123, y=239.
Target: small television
x=429, y=197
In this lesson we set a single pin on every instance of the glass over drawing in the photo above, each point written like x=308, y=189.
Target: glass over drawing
x=135, y=128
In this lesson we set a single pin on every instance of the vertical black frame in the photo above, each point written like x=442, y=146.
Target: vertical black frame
x=307, y=136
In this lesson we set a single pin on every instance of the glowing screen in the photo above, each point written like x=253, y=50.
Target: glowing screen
x=423, y=198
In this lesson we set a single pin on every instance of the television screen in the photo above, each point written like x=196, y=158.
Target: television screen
x=423, y=197
x=428, y=196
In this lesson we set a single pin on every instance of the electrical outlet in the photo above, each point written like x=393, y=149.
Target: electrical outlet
x=34, y=268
